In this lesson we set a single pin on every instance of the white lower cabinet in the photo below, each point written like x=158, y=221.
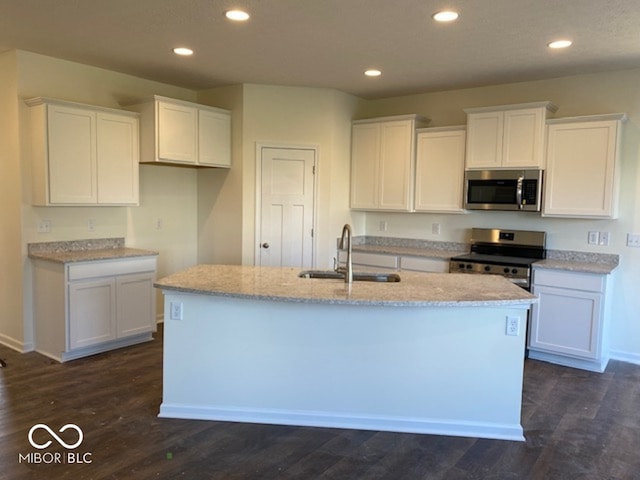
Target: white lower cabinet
x=569, y=324
x=85, y=308
x=424, y=264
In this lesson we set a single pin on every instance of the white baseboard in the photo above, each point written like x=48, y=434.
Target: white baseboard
x=333, y=420
x=628, y=357
x=16, y=345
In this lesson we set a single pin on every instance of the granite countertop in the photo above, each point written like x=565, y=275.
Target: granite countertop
x=85, y=250
x=583, y=262
x=283, y=284
x=409, y=246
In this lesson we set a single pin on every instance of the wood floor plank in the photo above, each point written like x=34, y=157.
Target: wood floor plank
x=578, y=425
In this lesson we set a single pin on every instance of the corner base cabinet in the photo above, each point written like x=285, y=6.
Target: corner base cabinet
x=84, y=308
x=569, y=324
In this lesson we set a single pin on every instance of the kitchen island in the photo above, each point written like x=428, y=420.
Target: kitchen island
x=430, y=354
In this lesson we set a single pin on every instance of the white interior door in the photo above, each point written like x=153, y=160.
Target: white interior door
x=286, y=178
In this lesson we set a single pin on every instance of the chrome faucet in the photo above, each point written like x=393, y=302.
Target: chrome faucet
x=346, y=235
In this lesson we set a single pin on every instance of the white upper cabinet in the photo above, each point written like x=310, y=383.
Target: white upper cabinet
x=186, y=133
x=383, y=162
x=582, y=174
x=82, y=154
x=440, y=156
x=509, y=136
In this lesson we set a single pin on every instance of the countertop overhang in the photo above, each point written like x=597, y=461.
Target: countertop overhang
x=283, y=284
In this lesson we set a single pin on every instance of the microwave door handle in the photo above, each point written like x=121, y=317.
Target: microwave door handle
x=519, y=192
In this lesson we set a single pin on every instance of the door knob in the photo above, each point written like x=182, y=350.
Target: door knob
x=265, y=245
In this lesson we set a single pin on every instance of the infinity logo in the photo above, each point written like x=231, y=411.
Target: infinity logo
x=53, y=434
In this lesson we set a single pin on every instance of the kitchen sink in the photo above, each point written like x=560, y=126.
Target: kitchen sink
x=357, y=276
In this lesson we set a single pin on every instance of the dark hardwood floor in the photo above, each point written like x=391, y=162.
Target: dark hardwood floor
x=578, y=425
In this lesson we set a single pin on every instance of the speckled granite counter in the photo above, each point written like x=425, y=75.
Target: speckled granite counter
x=283, y=284
x=84, y=250
x=584, y=262
x=409, y=246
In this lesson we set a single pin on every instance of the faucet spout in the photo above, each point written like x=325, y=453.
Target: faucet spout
x=345, y=238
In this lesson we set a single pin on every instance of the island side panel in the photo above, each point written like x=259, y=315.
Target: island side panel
x=451, y=371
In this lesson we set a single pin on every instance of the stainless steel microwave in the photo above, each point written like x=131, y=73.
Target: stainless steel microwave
x=519, y=190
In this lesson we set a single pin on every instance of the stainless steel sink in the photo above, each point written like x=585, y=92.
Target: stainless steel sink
x=357, y=276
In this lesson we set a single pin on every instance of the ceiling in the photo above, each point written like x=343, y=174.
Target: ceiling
x=329, y=43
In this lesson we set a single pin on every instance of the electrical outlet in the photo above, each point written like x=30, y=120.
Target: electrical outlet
x=594, y=238
x=435, y=228
x=44, y=226
x=175, y=310
x=603, y=240
x=633, y=240
x=513, y=326
x=382, y=226
x=159, y=224
x=91, y=225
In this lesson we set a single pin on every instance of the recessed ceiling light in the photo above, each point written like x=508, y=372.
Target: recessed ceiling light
x=373, y=72
x=183, y=51
x=237, y=15
x=445, y=16
x=559, y=44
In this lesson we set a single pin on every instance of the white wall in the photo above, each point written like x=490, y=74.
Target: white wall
x=577, y=95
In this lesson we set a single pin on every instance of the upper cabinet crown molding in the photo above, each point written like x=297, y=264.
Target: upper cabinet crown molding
x=507, y=136
x=183, y=133
x=383, y=162
x=82, y=154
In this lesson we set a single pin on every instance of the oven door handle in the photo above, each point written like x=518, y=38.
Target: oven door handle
x=519, y=192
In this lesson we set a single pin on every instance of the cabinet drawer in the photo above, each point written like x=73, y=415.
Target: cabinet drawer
x=419, y=264
x=375, y=260
x=571, y=280
x=107, y=268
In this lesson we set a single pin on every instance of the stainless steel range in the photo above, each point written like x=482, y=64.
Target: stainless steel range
x=509, y=253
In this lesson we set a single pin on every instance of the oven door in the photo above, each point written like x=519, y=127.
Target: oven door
x=518, y=190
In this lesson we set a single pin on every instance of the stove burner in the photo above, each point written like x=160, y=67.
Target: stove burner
x=500, y=252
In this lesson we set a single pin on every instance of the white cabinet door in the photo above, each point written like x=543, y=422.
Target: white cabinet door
x=92, y=312
x=118, y=154
x=511, y=136
x=484, y=140
x=177, y=132
x=214, y=138
x=365, y=151
x=135, y=304
x=396, y=165
x=440, y=157
x=71, y=156
x=523, y=138
x=582, y=173
x=383, y=163
x=567, y=322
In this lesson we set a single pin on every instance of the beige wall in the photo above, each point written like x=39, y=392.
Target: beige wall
x=577, y=95
x=11, y=325
x=167, y=193
x=301, y=117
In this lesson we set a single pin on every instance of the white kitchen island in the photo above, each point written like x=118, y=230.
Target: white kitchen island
x=429, y=354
